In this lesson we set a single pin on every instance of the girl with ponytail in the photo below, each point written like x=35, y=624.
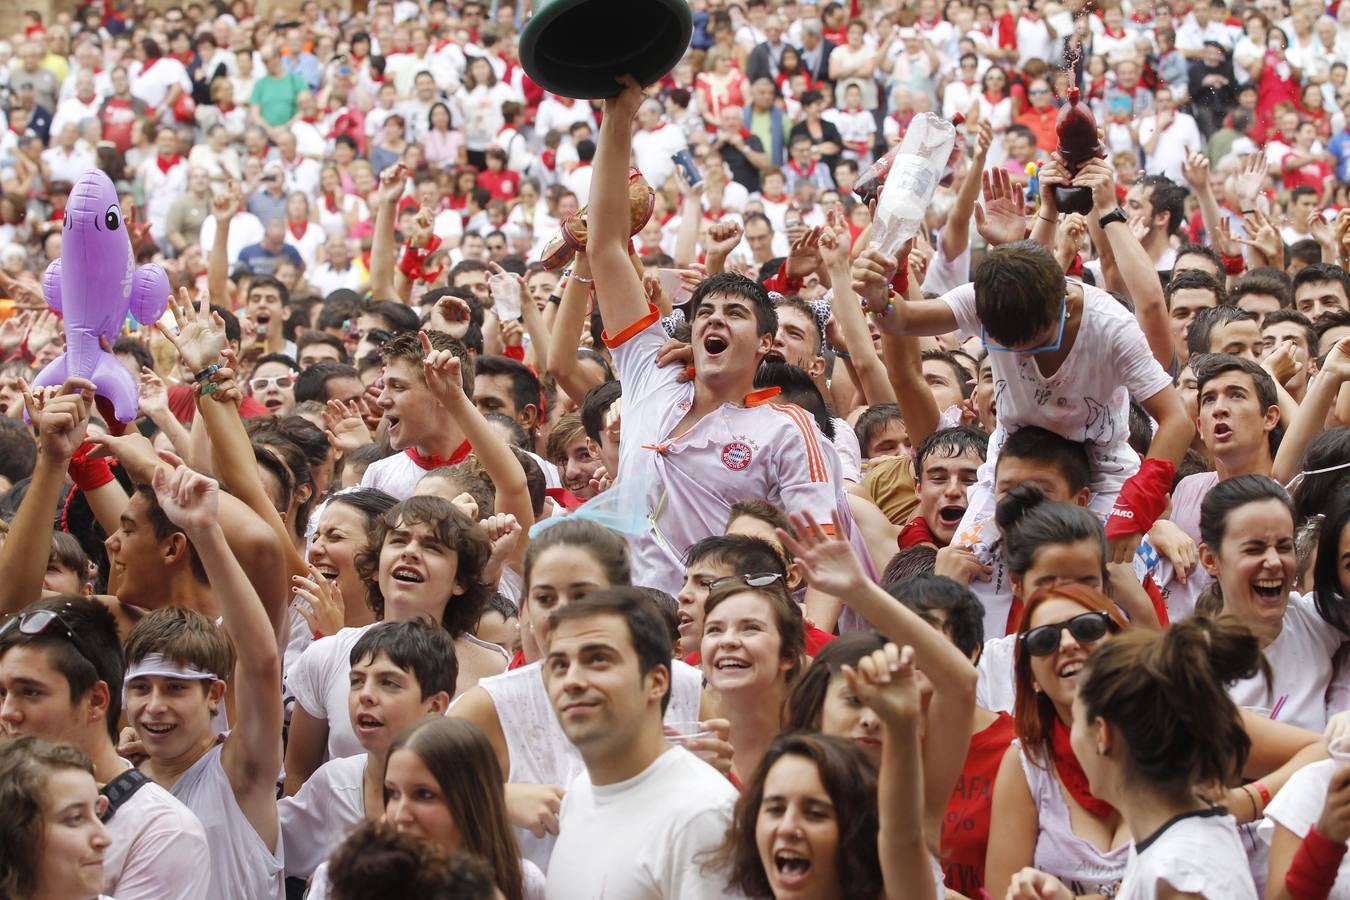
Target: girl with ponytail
x=1152, y=728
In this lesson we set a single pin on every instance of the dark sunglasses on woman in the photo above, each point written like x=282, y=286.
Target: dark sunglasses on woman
x=1086, y=628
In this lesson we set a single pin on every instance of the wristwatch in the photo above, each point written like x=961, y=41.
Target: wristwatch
x=1115, y=215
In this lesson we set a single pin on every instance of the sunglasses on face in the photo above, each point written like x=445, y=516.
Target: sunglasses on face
x=763, y=579
x=257, y=385
x=1087, y=628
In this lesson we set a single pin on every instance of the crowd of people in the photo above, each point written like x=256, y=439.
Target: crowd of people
x=532, y=497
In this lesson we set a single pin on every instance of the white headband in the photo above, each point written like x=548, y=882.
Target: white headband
x=156, y=664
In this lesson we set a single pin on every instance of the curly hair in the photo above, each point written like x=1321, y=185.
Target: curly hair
x=26, y=763
x=456, y=532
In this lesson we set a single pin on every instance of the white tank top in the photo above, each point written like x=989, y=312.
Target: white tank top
x=1059, y=852
x=540, y=751
x=241, y=864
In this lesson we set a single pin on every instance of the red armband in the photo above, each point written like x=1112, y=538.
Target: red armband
x=1233, y=265
x=414, y=260
x=1143, y=497
x=1312, y=874
x=516, y=352
x=89, y=474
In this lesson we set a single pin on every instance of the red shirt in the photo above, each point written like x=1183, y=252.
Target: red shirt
x=183, y=405
x=1314, y=175
x=965, y=827
x=503, y=185
x=1042, y=124
x=117, y=117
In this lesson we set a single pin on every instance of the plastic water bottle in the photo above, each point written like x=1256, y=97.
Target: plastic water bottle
x=505, y=291
x=908, y=192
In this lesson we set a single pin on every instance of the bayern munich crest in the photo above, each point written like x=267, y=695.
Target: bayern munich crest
x=736, y=455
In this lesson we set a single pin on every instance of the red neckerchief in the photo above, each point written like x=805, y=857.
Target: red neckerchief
x=166, y=163
x=313, y=120
x=994, y=99
x=298, y=229
x=916, y=532
x=792, y=164
x=1118, y=33
x=225, y=107
x=659, y=126
x=767, y=199
x=1070, y=772
x=436, y=462
x=150, y=64
x=330, y=204
x=185, y=58
x=667, y=217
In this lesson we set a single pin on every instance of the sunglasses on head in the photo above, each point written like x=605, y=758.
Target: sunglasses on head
x=763, y=579
x=1087, y=628
x=38, y=621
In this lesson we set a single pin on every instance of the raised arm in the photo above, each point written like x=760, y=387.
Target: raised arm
x=885, y=682
x=871, y=372
x=618, y=289
x=382, y=244
x=830, y=566
x=691, y=216
x=955, y=236
x=445, y=379
x=61, y=421
x=224, y=207
x=1136, y=269
x=252, y=753
x=1310, y=420
x=573, y=308
x=200, y=341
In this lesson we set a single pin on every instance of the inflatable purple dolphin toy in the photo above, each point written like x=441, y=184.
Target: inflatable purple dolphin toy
x=92, y=286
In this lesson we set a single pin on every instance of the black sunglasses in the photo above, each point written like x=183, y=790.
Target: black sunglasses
x=38, y=621
x=763, y=579
x=1086, y=628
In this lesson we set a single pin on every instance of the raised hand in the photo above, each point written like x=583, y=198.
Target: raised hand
x=1002, y=218
x=200, y=333
x=44, y=328
x=626, y=104
x=227, y=204
x=723, y=237
x=805, y=256
x=61, y=417
x=1195, y=169
x=884, y=681
x=189, y=499
x=443, y=372
x=319, y=601
x=1098, y=177
x=132, y=449
x=1247, y=184
x=827, y=561
x=871, y=278
x=452, y=315
x=392, y=182
x=833, y=250
x=154, y=395
x=13, y=329
x=1264, y=237
x=345, y=426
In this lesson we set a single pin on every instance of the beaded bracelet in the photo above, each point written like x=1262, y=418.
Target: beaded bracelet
x=884, y=312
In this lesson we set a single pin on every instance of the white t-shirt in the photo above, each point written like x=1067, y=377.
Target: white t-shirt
x=245, y=229
x=1196, y=853
x=996, y=688
x=1298, y=806
x=1180, y=139
x=152, y=85
x=157, y=849
x=320, y=687
x=1300, y=668
x=328, y=806
x=653, y=150
x=644, y=837
x=1087, y=399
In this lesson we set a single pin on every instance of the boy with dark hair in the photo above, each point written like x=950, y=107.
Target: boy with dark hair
x=400, y=672
x=61, y=672
x=507, y=386
x=716, y=439
x=1187, y=294
x=946, y=464
x=1225, y=329
x=714, y=558
x=1066, y=357
x=1320, y=288
x=419, y=425
x=608, y=677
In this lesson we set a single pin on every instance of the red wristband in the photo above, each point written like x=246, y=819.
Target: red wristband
x=89, y=474
x=1261, y=789
x=1312, y=874
x=1233, y=265
x=900, y=281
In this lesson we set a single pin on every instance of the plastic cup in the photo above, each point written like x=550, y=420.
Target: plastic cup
x=673, y=285
x=685, y=733
x=505, y=291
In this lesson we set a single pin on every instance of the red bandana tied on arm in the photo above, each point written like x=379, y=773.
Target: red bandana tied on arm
x=1142, y=498
x=1070, y=772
